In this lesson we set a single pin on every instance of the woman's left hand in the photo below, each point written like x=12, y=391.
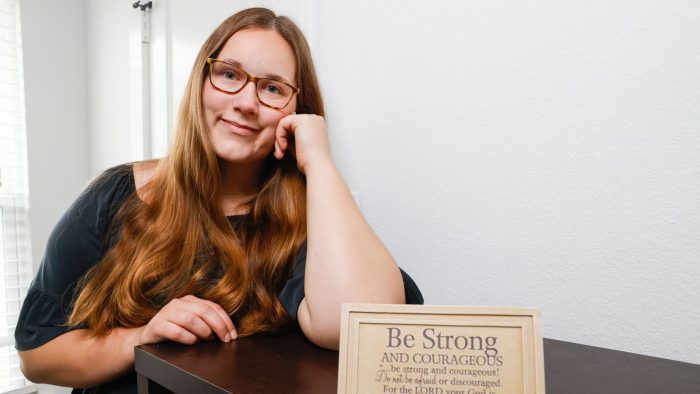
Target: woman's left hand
x=305, y=137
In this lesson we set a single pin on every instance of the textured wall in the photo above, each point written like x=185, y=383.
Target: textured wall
x=529, y=154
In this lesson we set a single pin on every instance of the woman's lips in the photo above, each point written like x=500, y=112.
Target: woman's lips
x=238, y=128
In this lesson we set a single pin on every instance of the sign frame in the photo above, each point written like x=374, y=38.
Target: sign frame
x=356, y=317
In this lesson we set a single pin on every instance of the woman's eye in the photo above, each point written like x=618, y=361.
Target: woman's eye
x=270, y=88
x=229, y=75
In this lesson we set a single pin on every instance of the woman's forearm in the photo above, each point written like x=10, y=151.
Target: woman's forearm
x=346, y=261
x=77, y=359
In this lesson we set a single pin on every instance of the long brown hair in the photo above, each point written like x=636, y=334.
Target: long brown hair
x=179, y=240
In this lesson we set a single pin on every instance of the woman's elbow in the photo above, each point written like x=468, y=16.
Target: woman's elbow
x=327, y=339
x=323, y=332
x=29, y=366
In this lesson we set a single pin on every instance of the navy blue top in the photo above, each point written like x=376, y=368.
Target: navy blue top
x=81, y=239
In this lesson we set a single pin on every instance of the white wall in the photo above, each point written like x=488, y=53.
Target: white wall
x=108, y=80
x=529, y=154
x=53, y=41
x=521, y=154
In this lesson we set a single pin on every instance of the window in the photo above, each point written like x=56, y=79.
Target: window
x=15, y=255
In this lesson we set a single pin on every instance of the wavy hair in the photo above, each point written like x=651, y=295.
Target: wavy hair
x=179, y=241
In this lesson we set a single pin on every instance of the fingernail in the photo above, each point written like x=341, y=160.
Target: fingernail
x=227, y=338
x=234, y=334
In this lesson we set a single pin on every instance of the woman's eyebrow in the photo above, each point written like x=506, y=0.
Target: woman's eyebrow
x=268, y=75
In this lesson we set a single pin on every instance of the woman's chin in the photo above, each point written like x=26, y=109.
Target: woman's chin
x=240, y=159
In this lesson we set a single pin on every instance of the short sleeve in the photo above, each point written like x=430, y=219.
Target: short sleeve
x=293, y=292
x=411, y=290
x=78, y=241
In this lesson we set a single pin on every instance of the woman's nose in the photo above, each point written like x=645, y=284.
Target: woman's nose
x=246, y=100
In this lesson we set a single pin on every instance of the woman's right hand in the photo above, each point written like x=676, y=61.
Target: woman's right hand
x=188, y=320
x=76, y=358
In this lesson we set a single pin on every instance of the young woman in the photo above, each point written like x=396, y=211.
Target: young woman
x=245, y=227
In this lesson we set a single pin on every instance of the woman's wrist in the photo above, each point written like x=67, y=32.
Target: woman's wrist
x=129, y=338
x=319, y=164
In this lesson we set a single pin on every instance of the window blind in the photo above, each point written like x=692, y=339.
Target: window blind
x=15, y=250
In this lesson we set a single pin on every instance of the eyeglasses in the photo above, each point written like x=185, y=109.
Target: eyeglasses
x=230, y=78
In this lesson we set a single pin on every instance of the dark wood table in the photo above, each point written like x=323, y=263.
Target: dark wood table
x=291, y=364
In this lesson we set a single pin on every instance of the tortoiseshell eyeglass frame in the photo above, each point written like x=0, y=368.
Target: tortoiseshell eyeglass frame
x=250, y=78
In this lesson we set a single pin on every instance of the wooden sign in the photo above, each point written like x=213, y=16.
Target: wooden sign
x=416, y=349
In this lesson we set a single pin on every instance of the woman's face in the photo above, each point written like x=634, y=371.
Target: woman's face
x=241, y=129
